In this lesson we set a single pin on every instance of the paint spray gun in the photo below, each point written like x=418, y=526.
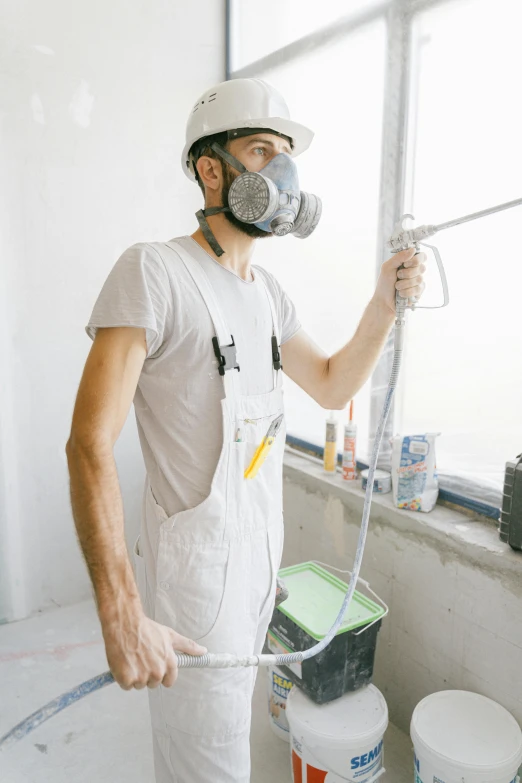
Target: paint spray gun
x=401, y=239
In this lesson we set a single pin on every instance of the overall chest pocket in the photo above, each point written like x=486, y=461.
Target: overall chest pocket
x=250, y=501
x=191, y=582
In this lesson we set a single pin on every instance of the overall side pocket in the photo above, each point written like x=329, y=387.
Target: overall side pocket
x=191, y=585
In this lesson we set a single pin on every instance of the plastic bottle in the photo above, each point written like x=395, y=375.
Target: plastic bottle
x=349, y=452
x=330, y=446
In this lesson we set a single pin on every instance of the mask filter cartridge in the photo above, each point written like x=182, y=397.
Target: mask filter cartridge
x=253, y=198
x=271, y=199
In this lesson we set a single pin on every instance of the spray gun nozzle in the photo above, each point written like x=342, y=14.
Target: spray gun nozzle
x=403, y=238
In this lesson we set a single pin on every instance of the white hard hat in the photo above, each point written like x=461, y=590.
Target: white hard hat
x=242, y=103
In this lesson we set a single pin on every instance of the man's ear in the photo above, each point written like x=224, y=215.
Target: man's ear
x=210, y=172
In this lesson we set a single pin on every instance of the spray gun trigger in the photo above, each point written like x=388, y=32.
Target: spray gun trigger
x=443, y=278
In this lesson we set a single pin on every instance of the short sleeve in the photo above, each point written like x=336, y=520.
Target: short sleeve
x=290, y=321
x=136, y=293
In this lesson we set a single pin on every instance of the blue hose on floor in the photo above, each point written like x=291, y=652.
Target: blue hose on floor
x=53, y=707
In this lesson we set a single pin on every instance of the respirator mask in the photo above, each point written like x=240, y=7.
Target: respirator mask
x=270, y=199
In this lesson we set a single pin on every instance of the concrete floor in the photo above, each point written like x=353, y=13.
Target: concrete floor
x=105, y=738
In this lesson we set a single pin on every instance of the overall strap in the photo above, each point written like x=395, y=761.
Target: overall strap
x=276, y=336
x=224, y=339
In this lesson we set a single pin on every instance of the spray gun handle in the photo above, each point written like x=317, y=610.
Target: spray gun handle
x=402, y=302
x=403, y=238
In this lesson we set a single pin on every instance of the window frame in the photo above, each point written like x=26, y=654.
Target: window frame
x=397, y=152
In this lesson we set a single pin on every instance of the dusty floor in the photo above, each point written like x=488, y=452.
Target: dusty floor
x=105, y=737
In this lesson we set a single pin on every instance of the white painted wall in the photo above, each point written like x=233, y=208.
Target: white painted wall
x=95, y=97
x=454, y=590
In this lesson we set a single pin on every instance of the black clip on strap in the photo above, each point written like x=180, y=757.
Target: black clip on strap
x=276, y=356
x=226, y=356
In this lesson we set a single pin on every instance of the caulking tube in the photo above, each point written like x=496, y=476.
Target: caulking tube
x=349, y=451
x=330, y=445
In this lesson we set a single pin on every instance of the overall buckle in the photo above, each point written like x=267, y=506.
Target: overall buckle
x=276, y=356
x=226, y=356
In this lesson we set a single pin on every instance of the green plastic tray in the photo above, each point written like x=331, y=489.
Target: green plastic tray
x=315, y=598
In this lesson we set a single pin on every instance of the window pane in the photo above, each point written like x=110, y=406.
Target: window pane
x=331, y=275
x=261, y=28
x=463, y=369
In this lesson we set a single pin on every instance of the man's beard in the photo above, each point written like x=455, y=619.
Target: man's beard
x=245, y=228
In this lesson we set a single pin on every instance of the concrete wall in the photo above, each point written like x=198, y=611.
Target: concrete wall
x=454, y=590
x=95, y=98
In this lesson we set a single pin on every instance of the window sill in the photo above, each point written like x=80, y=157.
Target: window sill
x=467, y=535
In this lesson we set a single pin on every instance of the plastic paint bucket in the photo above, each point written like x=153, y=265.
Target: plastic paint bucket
x=279, y=686
x=340, y=741
x=315, y=597
x=463, y=736
x=381, y=481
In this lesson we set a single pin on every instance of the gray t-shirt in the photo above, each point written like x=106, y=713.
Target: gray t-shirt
x=178, y=398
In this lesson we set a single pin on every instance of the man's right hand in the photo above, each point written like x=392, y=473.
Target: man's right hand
x=141, y=653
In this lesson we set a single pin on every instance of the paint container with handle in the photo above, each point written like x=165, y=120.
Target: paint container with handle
x=315, y=596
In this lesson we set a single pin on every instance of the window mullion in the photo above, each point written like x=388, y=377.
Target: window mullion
x=392, y=189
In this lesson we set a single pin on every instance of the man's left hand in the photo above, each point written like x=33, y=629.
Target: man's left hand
x=408, y=281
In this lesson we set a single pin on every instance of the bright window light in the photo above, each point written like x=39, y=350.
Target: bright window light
x=338, y=92
x=261, y=28
x=462, y=373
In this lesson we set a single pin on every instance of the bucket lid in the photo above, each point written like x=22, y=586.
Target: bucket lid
x=467, y=729
x=379, y=474
x=355, y=718
x=315, y=598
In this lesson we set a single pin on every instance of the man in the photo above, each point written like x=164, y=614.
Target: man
x=196, y=336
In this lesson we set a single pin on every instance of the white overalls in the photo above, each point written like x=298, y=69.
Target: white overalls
x=210, y=574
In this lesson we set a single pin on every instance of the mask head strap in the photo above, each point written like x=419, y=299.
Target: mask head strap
x=227, y=157
x=202, y=214
x=205, y=228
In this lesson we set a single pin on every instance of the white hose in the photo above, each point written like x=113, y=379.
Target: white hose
x=226, y=660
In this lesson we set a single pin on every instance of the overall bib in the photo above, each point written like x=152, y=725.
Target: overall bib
x=210, y=574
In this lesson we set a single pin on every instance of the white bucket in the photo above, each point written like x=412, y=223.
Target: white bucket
x=462, y=737
x=279, y=686
x=382, y=480
x=340, y=741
